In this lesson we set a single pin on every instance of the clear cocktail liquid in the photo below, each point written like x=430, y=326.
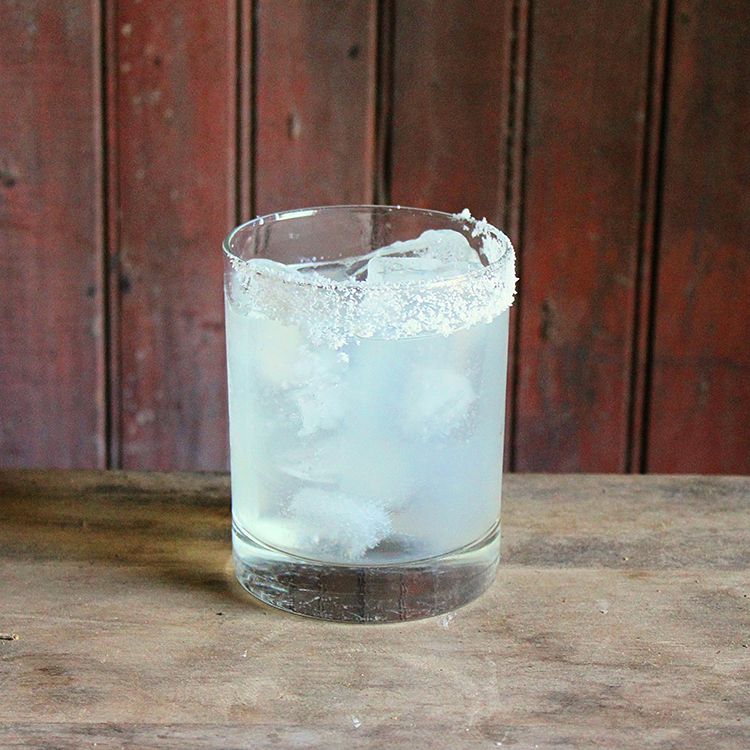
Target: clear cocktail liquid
x=366, y=442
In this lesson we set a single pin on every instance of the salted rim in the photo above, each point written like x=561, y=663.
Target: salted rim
x=332, y=312
x=492, y=239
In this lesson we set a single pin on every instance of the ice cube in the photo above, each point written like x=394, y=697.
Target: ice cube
x=277, y=349
x=389, y=269
x=320, y=393
x=337, y=525
x=335, y=270
x=265, y=266
x=435, y=254
x=439, y=252
x=279, y=354
x=332, y=269
x=448, y=246
x=437, y=401
x=320, y=407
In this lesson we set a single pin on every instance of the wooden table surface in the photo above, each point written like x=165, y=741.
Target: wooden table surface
x=620, y=618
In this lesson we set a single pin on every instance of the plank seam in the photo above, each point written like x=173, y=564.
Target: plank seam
x=253, y=106
x=381, y=189
x=99, y=98
x=243, y=98
x=110, y=164
x=515, y=197
x=651, y=147
x=648, y=326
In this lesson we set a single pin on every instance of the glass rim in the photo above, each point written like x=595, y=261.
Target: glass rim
x=481, y=228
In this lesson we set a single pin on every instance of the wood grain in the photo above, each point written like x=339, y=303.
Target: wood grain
x=587, y=93
x=52, y=410
x=315, y=103
x=700, y=370
x=608, y=139
x=450, y=105
x=619, y=620
x=175, y=161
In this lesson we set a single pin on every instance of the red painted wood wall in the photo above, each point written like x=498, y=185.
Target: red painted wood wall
x=609, y=139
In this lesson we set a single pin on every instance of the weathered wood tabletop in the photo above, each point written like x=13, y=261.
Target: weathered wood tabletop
x=620, y=618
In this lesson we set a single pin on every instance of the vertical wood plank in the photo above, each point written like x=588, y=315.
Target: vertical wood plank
x=450, y=99
x=450, y=110
x=315, y=99
x=245, y=116
x=700, y=383
x=52, y=410
x=175, y=132
x=588, y=87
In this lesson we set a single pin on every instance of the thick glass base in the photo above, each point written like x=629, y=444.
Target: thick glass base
x=394, y=592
